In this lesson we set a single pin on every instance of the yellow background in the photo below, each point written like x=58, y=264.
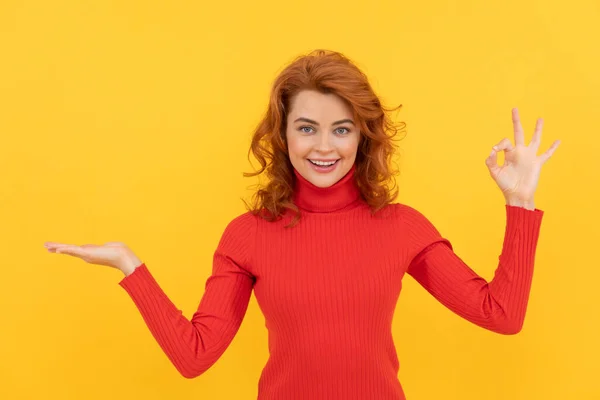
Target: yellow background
x=131, y=120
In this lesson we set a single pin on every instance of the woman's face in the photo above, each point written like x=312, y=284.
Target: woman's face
x=320, y=129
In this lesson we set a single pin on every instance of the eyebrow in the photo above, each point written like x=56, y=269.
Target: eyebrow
x=310, y=121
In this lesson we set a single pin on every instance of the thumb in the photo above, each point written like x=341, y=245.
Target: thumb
x=492, y=162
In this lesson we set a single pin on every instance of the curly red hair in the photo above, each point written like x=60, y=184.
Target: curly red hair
x=328, y=72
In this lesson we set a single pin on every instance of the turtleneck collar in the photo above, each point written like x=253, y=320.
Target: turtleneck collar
x=340, y=195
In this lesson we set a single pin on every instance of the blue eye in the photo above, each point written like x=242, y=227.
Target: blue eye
x=339, y=131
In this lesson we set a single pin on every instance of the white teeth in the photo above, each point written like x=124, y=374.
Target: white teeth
x=323, y=163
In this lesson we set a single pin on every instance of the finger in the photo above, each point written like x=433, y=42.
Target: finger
x=519, y=135
x=114, y=244
x=505, y=144
x=54, y=245
x=537, y=134
x=545, y=156
x=75, y=251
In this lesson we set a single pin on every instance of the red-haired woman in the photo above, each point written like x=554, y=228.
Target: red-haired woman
x=325, y=249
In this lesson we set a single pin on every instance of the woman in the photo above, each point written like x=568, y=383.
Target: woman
x=325, y=250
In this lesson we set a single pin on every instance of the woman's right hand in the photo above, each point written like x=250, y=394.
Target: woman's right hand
x=110, y=254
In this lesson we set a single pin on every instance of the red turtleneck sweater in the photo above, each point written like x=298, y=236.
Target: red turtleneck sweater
x=328, y=288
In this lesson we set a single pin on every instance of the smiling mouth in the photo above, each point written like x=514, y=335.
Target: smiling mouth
x=329, y=164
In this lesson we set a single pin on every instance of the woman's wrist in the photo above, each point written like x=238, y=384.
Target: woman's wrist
x=527, y=204
x=129, y=263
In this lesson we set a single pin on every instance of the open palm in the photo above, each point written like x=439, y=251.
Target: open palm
x=518, y=177
x=111, y=254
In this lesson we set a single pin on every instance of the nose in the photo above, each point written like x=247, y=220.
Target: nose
x=324, y=145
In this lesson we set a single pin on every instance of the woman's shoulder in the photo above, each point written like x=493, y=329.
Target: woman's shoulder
x=242, y=223
x=407, y=213
x=413, y=221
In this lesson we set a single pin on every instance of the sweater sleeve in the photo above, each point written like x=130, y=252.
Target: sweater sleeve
x=193, y=346
x=499, y=305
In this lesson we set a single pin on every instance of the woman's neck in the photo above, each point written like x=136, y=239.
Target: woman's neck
x=336, y=197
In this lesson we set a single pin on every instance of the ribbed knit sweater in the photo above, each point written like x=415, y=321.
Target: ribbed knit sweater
x=328, y=288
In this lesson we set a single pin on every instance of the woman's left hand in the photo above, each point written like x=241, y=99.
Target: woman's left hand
x=518, y=177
